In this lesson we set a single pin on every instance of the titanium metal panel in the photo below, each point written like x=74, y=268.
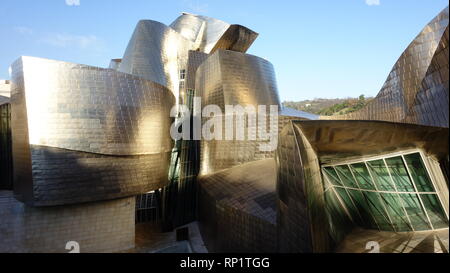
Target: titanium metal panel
x=416, y=90
x=232, y=78
x=195, y=59
x=114, y=64
x=190, y=26
x=431, y=103
x=302, y=224
x=236, y=38
x=95, y=110
x=237, y=208
x=110, y=126
x=336, y=140
x=156, y=52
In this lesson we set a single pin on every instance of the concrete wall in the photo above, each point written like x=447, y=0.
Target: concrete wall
x=106, y=226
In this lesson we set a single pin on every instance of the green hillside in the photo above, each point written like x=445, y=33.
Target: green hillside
x=329, y=107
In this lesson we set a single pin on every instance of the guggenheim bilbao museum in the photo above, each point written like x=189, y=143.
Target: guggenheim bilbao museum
x=87, y=153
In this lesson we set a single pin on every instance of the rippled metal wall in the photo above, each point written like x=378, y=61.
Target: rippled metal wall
x=232, y=78
x=84, y=133
x=195, y=59
x=156, y=52
x=205, y=30
x=417, y=89
x=301, y=221
x=236, y=38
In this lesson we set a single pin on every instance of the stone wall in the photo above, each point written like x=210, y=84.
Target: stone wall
x=106, y=226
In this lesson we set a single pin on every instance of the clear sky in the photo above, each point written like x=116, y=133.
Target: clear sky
x=320, y=48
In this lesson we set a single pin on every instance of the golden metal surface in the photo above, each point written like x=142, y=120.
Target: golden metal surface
x=83, y=133
x=205, y=30
x=232, y=78
x=91, y=109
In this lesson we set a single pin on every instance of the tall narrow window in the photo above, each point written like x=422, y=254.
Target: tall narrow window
x=182, y=74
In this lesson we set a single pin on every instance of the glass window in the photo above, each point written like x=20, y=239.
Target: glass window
x=393, y=194
x=419, y=173
x=332, y=175
x=338, y=218
x=395, y=209
x=362, y=175
x=399, y=174
x=348, y=203
x=380, y=175
x=434, y=210
x=346, y=176
x=363, y=208
x=182, y=74
x=415, y=212
x=377, y=210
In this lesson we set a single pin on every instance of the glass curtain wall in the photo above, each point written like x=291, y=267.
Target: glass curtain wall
x=391, y=193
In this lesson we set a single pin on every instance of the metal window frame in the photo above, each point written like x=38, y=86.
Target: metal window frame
x=402, y=203
x=380, y=197
x=333, y=187
x=432, y=178
x=383, y=157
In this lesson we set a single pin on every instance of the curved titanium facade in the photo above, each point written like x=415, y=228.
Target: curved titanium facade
x=206, y=30
x=417, y=89
x=233, y=78
x=83, y=133
x=236, y=38
x=156, y=52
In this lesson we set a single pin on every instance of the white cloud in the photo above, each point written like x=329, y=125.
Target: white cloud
x=196, y=7
x=73, y=2
x=373, y=2
x=23, y=30
x=68, y=40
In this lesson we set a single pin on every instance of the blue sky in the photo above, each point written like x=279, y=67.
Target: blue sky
x=320, y=48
